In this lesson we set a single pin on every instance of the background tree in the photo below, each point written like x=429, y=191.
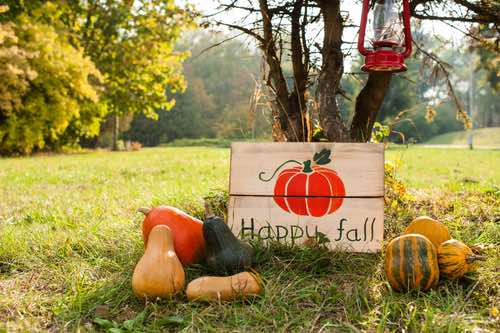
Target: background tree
x=130, y=42
x=46, y=88
x=487, y=71
x=284, y=32
x=218, y=101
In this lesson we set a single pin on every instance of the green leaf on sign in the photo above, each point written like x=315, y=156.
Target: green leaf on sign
x=322, y=238
x=322, y=157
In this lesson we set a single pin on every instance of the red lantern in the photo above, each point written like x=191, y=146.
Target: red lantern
x=387, y=53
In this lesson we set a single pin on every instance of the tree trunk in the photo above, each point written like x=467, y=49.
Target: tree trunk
x=288, y=108
x=331, y=73
x=116, y=130
x=291, y=121
x=368, y=103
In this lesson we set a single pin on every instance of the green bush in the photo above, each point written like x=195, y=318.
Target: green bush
x=205, y=142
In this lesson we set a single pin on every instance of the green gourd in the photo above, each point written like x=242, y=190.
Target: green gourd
x=225, y=253
x=411, y=263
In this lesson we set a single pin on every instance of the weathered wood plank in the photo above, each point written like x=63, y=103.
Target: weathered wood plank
x=356, y=226
x=360, y=166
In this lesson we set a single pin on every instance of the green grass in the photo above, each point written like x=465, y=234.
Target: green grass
x=482, y=137
x=449, y=169
x=70, y=237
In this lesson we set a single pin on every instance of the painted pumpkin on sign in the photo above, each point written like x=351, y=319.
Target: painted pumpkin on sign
x=411, y=263
x=308, y=190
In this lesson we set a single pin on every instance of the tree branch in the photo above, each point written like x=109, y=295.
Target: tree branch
x=214, y=45
x=448, y=18
x=451, y=92
x=368, y=103
x=485, y=10
x=243, y=29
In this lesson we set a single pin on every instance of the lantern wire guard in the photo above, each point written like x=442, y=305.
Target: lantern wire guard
x=385, y=57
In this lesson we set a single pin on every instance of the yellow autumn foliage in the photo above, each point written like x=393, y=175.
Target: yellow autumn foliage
x=46, y=87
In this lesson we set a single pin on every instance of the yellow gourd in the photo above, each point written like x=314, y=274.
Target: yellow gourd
x=159, y=273
x=224, y=288
x=455, y=259
x=434, y=230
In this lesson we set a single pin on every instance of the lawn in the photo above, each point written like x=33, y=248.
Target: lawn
x=482, y=137
x=70, y=237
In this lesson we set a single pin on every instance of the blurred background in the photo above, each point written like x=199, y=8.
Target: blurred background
x=125, y=74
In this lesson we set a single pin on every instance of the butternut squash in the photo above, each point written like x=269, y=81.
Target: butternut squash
x=213, y=288
x=159, y=273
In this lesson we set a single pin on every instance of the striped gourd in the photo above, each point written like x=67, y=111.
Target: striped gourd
x=434, y=230
x=455, y=259
x=411, y=263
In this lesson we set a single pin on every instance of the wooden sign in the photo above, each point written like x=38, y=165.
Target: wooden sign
x=291, y=192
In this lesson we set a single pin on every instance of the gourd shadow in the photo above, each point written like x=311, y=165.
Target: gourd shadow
x=351, y=280
x=118, y=300
x=315, y=259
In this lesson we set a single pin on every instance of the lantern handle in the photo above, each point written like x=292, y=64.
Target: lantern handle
x=407, y=30
x=362, y=28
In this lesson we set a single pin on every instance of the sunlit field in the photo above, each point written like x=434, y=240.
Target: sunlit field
x=70, y=237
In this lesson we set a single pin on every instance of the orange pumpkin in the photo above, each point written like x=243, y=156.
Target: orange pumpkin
x=434, y=230
x=411, y=263
x=186, y=230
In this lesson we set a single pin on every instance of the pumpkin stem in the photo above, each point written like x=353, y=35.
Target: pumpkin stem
x=144, y=210
x=209, y=212
x=269, y=179
x=470, y=259
x=307, y=167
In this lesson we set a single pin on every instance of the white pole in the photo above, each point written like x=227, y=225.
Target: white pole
x=470, y=136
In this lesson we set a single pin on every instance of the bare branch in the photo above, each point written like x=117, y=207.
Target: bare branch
x=483, y=12
x=215, y=45
x=448, y=18
x=443, y=66
x=243, y=29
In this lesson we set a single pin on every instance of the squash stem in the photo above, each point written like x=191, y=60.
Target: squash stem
x=470, y=259
x=144, y=210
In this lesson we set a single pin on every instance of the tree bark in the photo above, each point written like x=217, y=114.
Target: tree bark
x=116, y=131
x=286, y=125
x=331, y=73
x=297, y=99
x=368, y=103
